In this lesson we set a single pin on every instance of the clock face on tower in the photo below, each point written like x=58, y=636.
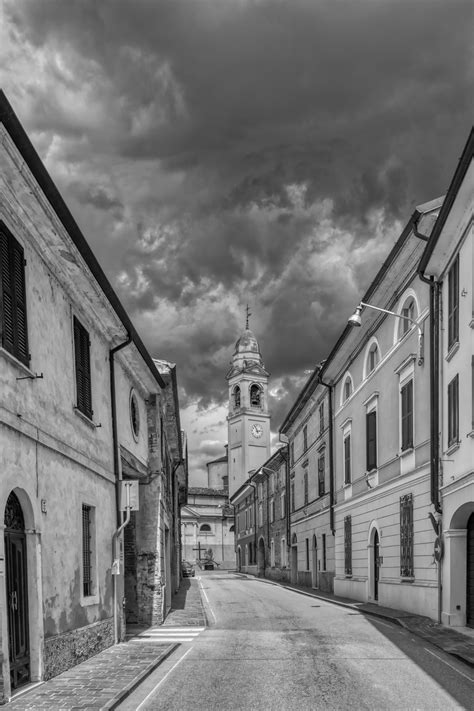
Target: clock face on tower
x=257, y=431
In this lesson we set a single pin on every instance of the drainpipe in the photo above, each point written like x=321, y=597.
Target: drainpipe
x=435, y=288
x=118, y=476
x=331, y=453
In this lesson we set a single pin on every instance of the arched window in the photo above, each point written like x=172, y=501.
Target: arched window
x=373, y=357
x=205, y=528
x=237, y=396
x=255, y=396
x=408, y=311
x=232, y=529
x=347, y=389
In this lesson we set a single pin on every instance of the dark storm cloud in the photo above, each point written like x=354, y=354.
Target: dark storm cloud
x=258, y=147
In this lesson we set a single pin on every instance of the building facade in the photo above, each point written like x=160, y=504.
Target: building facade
x=308, y=427
x=448, y=263
x=76, y=388
x=380, y=373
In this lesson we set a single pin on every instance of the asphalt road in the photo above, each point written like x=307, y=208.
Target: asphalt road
x=271, y=648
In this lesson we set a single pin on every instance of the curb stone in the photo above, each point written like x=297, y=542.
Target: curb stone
x=132, y=685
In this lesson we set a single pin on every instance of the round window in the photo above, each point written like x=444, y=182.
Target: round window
x=134, y=415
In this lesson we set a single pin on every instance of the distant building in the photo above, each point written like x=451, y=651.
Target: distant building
x=208, y=521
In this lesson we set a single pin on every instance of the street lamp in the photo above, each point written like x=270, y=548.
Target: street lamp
x=355, y=320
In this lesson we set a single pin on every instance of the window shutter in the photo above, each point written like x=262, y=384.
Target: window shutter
x=83, y=372
x=13, y=310
x=407, y=415
x=347, y=459
x=371, y=427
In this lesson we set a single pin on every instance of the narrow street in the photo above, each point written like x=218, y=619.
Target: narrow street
x=272, y=648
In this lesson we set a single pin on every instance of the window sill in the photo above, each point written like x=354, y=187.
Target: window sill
x=89, y=600
x=408, y=579
x=406, y=452
x=452, y=351
x=18, y=363
x=84, y=418
x=470, y=434
x=453, y=448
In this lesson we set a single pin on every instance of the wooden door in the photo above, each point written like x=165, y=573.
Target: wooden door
x=376, y=565
x=17, y=593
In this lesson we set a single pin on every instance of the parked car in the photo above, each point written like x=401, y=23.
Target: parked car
x=187, y=569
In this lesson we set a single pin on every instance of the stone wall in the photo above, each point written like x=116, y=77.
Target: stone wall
x=64, y=651
x=149, y=590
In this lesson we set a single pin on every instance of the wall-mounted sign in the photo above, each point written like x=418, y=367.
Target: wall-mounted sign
x=129, y=495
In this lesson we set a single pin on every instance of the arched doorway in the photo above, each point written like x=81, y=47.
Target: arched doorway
x=314, y=569
x=470, y=572
x=373, y=548
x=294, y=559
x=261, y=558
x=16, y=581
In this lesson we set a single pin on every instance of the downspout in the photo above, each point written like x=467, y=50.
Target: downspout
x=118, y=476
x=331, y=453
x=434, y=418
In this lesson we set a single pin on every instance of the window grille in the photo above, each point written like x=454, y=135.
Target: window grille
x=14, y=332
x=347, y=459
x=406, y=536
x=371, y=435
x=348, y=545
x=83, y=369
x=453, y=303
x=321, y=468
x=86, y=550
x=407, y=415
x=453, y=411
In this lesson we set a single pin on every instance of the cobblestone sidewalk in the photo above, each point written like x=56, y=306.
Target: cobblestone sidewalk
x=101, y=682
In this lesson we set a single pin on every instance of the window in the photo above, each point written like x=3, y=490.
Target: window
x=406, y=394
x=260, y=514
x=373, y=358
x=453, y=411
x=324, y=551
x=205, y=527
x=408, y=315
x=305, y=487
x=292, y=495
x=292, y=453
x=321, y=418
x=232, y=529
x=255, y=396
x=13, y=298
x=272, y=510
x=347, y=459
x=83, y=369
x=237, y=397
x=305, y=438
x=283, y=503
x=87, y=554
x=347, y=389
x=453, y=303
x=134, y=414
x=348, y=545
x=406, y=536
x=307, y=554
x=272, y=553
x=283, y=553
x=371, y=439
x=321, y=474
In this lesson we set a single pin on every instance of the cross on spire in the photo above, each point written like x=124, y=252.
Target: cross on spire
x=249, y=313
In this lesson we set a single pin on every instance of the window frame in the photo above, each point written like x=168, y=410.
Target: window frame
x=322, y=472
x=371, y=450
x=347, y=456
x=453, y=411
x=407, y=414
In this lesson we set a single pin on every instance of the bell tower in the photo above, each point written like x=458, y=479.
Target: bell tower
x=248, y=421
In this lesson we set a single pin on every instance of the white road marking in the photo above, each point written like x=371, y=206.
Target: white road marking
x=162, y=680
x=207, y=600
x=169, y=634
x=448, y=664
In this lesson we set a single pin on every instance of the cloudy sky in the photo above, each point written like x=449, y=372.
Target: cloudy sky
x=223, y=152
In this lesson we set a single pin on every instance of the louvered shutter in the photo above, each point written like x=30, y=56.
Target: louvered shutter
x=371, y=426
x=13, y=307
x=83, y=371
